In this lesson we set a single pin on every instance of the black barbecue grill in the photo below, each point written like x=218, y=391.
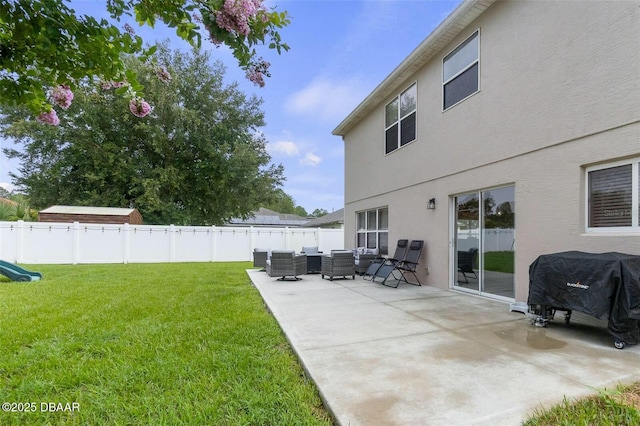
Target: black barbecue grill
x=603, y=285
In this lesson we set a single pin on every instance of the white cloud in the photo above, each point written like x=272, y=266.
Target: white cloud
x=8, y=186
x=310, y=159
x=288, y=148
x=326, y=99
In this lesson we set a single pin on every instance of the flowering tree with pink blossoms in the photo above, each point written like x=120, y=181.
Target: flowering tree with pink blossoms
x=46, y=49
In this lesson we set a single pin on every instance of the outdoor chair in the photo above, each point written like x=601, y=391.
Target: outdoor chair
x=397, y=271
x=260, y=257
x=310, y=250
x=340, y=263
x=363, y=258
x=286, y=264
x=466, y=261
x=401, y=250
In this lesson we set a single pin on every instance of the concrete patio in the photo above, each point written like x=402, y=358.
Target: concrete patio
x=425, y=356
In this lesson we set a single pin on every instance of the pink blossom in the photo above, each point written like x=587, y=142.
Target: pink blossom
x=256, y=77
x=236, y=14
x=128, y=28
x=61, y=96
x=264, y=17
x=106, y=85
x=163, y=75
x=139, y=107
x=50, y=117
x=258, y=71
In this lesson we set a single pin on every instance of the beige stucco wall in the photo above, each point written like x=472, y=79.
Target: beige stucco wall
x=559, y=90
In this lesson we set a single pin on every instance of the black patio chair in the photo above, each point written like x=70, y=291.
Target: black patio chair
x=397, y=272
x=466, y=260
x=401, y=250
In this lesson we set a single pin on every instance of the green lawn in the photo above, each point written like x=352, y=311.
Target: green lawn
x=616, y=407
x=163, y=344
x=500, y=261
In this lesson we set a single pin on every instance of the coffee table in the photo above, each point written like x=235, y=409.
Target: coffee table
x=314, y=263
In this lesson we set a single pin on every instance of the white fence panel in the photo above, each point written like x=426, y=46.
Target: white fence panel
x=269, y=238
x=302, y=237
x=9, y=240
x=494, y=239
x=39, y=238
x=193, y=244
x=101, y=244
x=499, y=239
x=331, y=239
x=149, y=244
x=233, y=244
x=38, y=242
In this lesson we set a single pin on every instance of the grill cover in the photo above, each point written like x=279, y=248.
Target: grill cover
x=603, y=285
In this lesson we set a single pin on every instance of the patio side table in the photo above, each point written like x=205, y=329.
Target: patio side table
x=314, y=263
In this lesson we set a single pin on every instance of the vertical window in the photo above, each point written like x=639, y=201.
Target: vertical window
x=613, y=194
x=400, y=119
x=372, y=229
x=460, y=76
x=361, y=226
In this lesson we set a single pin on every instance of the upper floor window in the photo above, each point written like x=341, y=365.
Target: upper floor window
x=613, y=192
x=400, y=119
x=460, y=76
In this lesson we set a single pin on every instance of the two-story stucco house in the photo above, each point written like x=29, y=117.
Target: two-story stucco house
x=511, y=131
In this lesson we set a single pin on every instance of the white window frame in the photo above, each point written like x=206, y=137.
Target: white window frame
x=400, y=118
x=377, y=231
x=635, y=197
x=476, y=33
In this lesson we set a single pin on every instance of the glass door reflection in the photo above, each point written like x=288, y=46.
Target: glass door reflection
x=485, y=242
x=498, y=241
x=467, y=241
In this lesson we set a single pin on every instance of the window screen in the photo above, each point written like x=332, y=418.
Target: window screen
x=460, y=76
x=611, y=197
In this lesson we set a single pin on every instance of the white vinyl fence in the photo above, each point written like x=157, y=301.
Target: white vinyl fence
x=73, y=243
x=493, y=239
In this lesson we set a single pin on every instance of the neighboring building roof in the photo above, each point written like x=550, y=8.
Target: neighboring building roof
x=104, y=215
x=456, y=22
x=266, y=217
x=102, y=211
x=328, y=219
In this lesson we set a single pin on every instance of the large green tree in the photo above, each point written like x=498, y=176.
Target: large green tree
x=198, y=158
x=281, y=202
x=47, y=49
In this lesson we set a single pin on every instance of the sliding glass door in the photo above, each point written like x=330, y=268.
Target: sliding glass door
x=484, y=242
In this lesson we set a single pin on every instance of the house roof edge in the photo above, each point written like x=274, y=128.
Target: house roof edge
x=453, y=24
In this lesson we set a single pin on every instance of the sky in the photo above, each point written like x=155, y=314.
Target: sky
x=341, y=50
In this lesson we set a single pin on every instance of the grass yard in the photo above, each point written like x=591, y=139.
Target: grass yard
x=163, y=344
x=500, y=261
x=618, y=407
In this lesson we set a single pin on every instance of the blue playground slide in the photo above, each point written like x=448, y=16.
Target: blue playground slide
x=16, y=273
